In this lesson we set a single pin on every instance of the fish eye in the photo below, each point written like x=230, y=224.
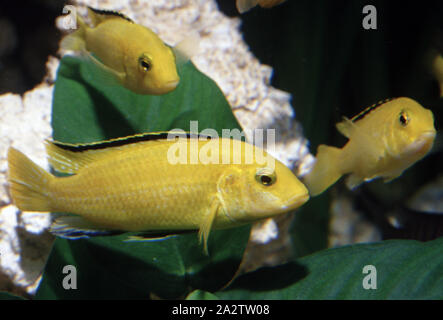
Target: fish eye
x=145, y=63
x=266, y=177
x=403, y=118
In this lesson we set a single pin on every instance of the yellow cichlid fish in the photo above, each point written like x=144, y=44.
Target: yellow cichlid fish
x=384, y=140
x=131, y=184
x=129, y=53
x=246, y=5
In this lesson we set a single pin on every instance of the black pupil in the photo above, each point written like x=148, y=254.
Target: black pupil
x=145, y=65
x=403, y=119
x=266, y=180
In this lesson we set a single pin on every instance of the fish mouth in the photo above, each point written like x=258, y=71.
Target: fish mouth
x=296, y=201
x=428, y=135
x=171, y=84
x=423, y=144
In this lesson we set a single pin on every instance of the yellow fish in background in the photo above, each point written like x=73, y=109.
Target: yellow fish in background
x=131, y=184
x=437, y=69
x=246, y=5
x=130, y=53
x=384, y=140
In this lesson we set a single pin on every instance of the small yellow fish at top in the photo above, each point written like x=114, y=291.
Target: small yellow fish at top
x=384, y=140
x=246, y=5
x=129, y=53
x=134, y=184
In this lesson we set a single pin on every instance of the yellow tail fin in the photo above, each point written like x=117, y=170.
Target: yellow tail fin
x=75, y=41
x=326, y=170
x=245, y=5
x=28, y=183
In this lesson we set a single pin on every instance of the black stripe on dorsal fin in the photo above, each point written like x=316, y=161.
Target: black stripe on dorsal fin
x=362, y=114
x=118, y=142
x=110, y=13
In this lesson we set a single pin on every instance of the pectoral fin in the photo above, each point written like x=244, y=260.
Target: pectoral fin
x=106, y=75
x=370, y=146
x=206, y=224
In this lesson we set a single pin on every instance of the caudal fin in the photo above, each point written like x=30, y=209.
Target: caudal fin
x=75, y=41
x=187, y=48
x=245, y=5
x=326, y=170
x=28, y=183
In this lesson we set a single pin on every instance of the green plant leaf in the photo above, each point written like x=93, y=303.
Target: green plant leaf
x=9, y=296
x=405, y=269
x=86, y=110
x=201, y=295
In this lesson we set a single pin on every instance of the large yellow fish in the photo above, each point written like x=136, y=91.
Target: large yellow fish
x=384, y=140
x=246, y=5
x=139, y=183
x=130, y=53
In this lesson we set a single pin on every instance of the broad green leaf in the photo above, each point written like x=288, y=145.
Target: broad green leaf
x=110, y=267
x=405, y=269
x=9, y=296
x=201, y=295
x=85, y=110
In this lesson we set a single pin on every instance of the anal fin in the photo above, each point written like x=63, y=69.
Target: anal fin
x=353, y=181
x=392, y=176
x=76, y=227
x=156, y=235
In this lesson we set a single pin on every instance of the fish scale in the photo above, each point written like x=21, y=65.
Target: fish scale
x=137, y=192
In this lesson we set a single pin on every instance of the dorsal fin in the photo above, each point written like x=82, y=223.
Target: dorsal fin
x=67, y=161
x=345, y=127
x=362, y=114
x=118, y=142
x=97, y=16
x=70, y=157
